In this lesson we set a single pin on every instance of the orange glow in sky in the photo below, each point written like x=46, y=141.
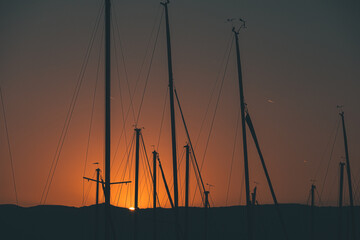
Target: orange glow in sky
x=296, y=70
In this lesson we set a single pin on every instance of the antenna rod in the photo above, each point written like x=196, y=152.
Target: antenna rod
x=349, y=177
x=246, y=167
x=107, y=118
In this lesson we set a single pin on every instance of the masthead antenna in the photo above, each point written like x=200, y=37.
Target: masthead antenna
x=241, y=21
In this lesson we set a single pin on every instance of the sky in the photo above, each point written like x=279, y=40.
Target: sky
x=299, y=60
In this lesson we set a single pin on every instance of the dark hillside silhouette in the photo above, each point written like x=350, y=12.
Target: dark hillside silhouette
x=60, y=222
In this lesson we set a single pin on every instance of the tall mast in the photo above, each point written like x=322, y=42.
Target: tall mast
x=187, y=163
x=107, y=102
x=154, y=194
x=242, y=109
x=312, y=211
x=341, y=192
x=137, y=132
x=172, y=110
x=107, y=119
x=349, y=176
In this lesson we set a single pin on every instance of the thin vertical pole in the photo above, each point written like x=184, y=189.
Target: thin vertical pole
x=206, y=214
x=312, y=195
x=172, y=116
x=107, y=118
x=172, y=109
x=187, y=149
x=341, y=193
x=137, y=132
x=97, y=204
x=246, y=167
x=154, y=193
x=352, y=210
x=253, y=199
x=97, y=185
x=312, y=211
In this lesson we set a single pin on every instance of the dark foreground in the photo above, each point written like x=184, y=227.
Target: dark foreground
x=60, y=222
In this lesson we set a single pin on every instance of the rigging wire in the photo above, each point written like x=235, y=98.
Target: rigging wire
x=92, y=116
x=130, y=156
x=70, y=111
x=216, y=107
x=318, y=194
x=182, y=187
x=9, y=147
x=89, y=188
x=214, y=88
x=308, y=198
x=134, y=91
x=331, y=154
x=149, y=69
x=124, y=171
x=149, y=167
x=122, y=107
x=334, y=131
x=143, y=63
x=242, y=186
x=333, y=183
x=197, y=177
x=233, y=155
x=162, y=119
x=194, y=161
x=123, y=61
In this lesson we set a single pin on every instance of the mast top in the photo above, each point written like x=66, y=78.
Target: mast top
x=340, y=107
x=242, y=25
x=165, y=3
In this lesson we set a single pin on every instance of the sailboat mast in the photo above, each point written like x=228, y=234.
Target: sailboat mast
x=107, y=119
x=172, y=109
x=347, y=161
x=341, y=192
x=349, y=176
x=242, y=109
x=107, y=102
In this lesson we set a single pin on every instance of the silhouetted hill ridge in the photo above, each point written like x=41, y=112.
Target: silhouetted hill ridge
x=64, y=222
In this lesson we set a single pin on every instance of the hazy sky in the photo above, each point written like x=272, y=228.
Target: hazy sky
x=300, y=60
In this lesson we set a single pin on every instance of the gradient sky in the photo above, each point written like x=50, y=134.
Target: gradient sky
x=300, y=60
